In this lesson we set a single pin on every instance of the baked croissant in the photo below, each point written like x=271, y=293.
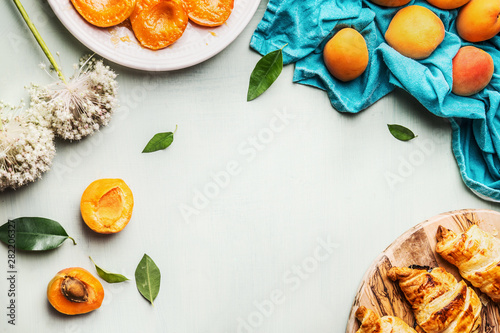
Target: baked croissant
x=438, y=301
x=476, y=253
x=372, y=323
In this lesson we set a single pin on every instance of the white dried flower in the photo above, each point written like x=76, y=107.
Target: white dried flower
x=81, y=106
x=26, y=147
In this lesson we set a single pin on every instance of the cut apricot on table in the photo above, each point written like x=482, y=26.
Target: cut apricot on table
x=209, y=13
x=75, y=291
x=158, y=23
x=104, y=13
x=106, y=205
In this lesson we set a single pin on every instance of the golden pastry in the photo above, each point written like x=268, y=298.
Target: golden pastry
x=476, y=253
x=372, y=323
x=438, y=301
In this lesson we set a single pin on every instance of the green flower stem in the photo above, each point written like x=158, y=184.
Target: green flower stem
x=39, y=39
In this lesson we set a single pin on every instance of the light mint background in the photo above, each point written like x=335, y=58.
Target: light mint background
x=315, y=178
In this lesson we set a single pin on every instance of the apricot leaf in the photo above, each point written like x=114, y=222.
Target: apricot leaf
x=33, y=234
x=264, y=74
x=147, y=278
x=400, y=132
x=160, y=141
x=108, y=276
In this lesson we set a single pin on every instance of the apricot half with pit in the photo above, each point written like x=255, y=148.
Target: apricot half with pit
x=158, y=23
x=209, y=13
x=104, y=13
x=106, y=205
x=75, y=291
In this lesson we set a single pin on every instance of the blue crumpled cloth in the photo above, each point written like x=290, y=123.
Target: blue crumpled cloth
x=306, y=25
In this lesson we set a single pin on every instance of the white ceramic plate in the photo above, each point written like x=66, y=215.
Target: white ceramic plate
x=118, y=44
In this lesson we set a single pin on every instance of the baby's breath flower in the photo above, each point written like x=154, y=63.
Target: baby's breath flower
x=81, y=106
x=26, y=147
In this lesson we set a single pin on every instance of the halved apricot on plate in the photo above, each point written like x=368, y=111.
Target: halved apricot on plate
x=209, y=13
x=104, y=13
x=158, y=23
x=75, y=291
x=106, y=205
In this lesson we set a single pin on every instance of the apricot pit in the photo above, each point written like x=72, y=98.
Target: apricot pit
x=106, y=205
x=75, y=291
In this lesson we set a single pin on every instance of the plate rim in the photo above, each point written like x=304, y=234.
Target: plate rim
x=250, y=10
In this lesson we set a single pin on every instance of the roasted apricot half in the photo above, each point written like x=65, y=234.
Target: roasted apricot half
x=75, y=291
x=106, y=205
x=209, y=13
x=104, y=13
x=158, y=23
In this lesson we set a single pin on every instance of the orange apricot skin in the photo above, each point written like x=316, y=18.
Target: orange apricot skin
x=415, y=32
x=447, y=4
x=346, y=55
x=472, y=70
x=62, y=304
x=106, y=205
x=104, y=13
x=209, y=13
x=479, y=20
x=159, y=23
x=390, y=3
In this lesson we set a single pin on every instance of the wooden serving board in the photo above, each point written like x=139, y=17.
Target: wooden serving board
x=417, y=247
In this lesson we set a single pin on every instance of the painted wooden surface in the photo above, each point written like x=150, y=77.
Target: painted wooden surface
x=417, y=247
x=282, y=246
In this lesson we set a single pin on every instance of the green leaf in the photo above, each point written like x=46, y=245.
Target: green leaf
x=265, y=73
x=147, y=278
x=400, y=132
x=160, y=141
x=33, y=234
x=108, y=276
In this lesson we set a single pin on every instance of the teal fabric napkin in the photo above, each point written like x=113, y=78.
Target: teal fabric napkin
x=306, y=25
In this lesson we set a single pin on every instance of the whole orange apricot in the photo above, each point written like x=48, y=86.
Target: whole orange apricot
x=479, y=20
x=75, y=291
x=346, y=55
x=415, y=32
x=104, y=13
x=106, y=205
x=390, y=3
x=472, y=70
x=448, y=4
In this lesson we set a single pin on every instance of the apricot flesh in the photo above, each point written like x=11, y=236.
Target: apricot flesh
x=390, y=3
x=448, y=4
x=346, y=55
x=479, y=20
x=104, y=13
x=74, y=291
x=209, y=13
x=415, y=32
x=158, y=23
x=472, y=70
x=106, y=205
